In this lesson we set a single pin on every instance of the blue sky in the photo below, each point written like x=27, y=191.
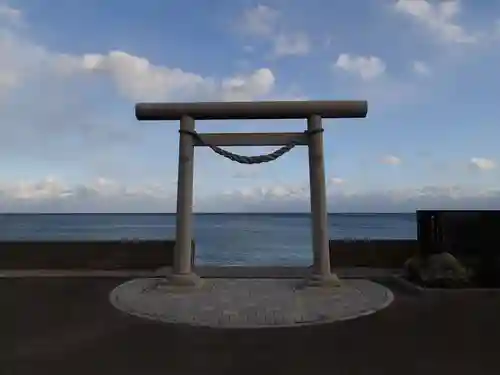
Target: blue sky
x=71, y=73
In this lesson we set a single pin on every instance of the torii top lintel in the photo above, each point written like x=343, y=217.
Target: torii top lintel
x=252, y=110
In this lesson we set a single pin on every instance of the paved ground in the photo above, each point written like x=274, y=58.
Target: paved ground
x=67, y=326
x=250, y=303
x=205, y=271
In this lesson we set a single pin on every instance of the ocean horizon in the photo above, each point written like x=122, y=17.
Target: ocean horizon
x=203, y=213
x=221, y=238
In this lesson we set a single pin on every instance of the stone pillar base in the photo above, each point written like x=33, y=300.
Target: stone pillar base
x=188, y=279
x=324, y=281
x=178, y=283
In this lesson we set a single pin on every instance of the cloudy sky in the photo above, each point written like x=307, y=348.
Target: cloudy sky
x=71, y=72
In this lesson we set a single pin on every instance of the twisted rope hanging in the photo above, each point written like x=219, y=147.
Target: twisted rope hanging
x=242, y=159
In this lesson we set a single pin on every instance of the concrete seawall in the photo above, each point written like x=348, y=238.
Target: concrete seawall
x=371, y=253
x=150, y=255
x=102, y=255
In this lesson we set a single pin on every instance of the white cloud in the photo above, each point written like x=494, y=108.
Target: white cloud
x=263, y=22
x=482, y=163
x=24, y=62
x=104, y=195
x=259, y=21
x=421, y=68
x=439, y=17
x=367, y=68
x=259, y=83
x=140, y=80
x=63, y=93
x=296, y=199
x=335, y=181
x=391, y=160
x=52, y=188
x=45, y=189
x=291, y=44
x=10, y=14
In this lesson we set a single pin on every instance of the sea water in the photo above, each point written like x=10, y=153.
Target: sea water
x=229, y=239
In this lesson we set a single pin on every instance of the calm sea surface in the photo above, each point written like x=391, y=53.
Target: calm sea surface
x=235, y=239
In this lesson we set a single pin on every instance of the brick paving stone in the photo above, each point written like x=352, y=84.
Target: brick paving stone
x=247, y=303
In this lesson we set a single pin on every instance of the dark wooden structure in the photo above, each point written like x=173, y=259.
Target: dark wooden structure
x=471, y=236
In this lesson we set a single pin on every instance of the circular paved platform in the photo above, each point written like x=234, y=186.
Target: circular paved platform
x=250, y=303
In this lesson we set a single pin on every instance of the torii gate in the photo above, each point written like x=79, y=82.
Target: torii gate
x=313, y=111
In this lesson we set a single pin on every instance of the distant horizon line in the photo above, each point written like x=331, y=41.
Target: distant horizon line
x=205, y=213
